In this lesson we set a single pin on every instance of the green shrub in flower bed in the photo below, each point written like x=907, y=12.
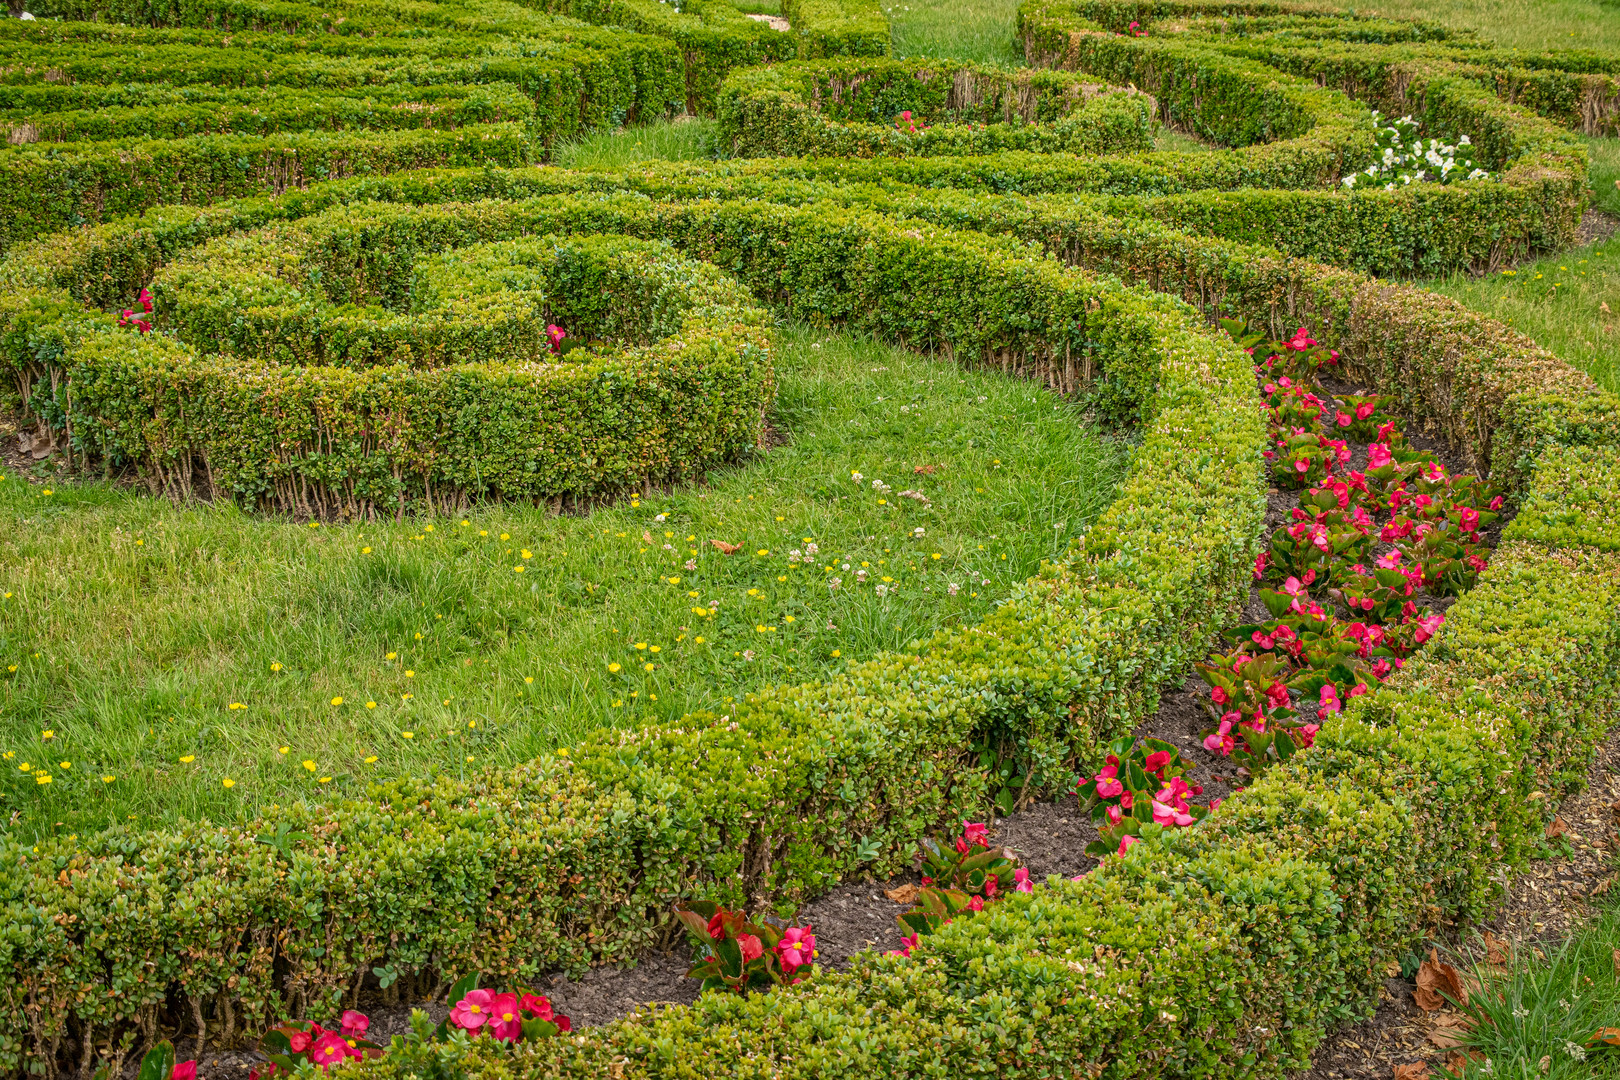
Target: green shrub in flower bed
x=860, y=108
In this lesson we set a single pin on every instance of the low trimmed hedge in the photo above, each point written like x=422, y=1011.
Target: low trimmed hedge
x=852, y=109
x=583, y=853
x=1224, y=950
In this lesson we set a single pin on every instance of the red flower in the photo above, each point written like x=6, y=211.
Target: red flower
x=750, y=946
x=505, y=1022
x=539, y=1007
x=354, y=1024
x=184, y=1070
x=717, y=927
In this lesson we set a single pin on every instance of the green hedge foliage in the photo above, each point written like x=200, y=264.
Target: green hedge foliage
x=596, y=844
x=1224, y=950
x=852, y=109
x=367, y=344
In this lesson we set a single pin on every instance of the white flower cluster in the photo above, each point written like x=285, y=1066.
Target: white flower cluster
x=1404, y=158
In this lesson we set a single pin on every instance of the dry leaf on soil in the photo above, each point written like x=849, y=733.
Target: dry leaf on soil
x=928, y=469
x=1449, y=1028
x=1457, y=1061
x=1496, y=951
x=1556, y=827
x=1606, y=1037
x=1601, y=887
x=905, y=894
x=725, y=548
x=1434, y=977
x=1417, y=1070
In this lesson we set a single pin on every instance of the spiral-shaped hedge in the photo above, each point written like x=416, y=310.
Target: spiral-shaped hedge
x=353, y=250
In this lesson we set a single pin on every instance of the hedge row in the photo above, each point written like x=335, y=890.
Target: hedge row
x=853, y=108
x=88, y=113
x=1490, y=391
x=712, y=36
x=1224, y=950
x=1537, y=204
x=576, y=858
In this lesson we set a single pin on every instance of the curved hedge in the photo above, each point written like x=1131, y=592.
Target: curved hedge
x=368, y=344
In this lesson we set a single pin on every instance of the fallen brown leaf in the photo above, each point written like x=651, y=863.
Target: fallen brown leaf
x=1602, y=887
x=905, y=894
x=1607, y=1037
x=646, y=537
x=1617, y=963
x=1416, y=1070
x=1434, y=977
x=929, y=469
x=1604, y=307
x=1449, y=1028
x=1496, y=951
x=1546, y=1059
x=1556, y=828
x=1457, y=1061
x=725, y=548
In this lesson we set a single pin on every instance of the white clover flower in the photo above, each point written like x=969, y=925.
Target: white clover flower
x=917, y=532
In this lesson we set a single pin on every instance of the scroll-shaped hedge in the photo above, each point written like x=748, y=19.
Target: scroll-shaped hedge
x=374, y=372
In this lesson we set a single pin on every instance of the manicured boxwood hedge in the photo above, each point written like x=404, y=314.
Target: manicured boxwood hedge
x=1223, y=951
x=852, y=109
x=588, y=850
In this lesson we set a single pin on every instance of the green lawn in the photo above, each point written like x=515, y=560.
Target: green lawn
x=151, y=655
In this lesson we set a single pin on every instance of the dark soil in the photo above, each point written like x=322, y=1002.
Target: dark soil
x=1596, y=226
x=1049, y=837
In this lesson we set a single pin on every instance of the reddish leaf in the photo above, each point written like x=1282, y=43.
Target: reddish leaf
x=725, y=548
x=1435, y=978
x=1416, y=1070
x=1556, y=828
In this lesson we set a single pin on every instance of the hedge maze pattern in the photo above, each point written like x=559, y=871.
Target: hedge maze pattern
x=352, y=243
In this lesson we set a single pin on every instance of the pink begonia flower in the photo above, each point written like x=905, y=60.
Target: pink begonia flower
x=1156, y=761
x=555, y=335
x=184, y=1070
x=1277, y=695
x=752, y=948
x=1378, y=456
x=1302, y=466
x=717, y=927
x=976, y=904
x=1126, y=799
x=976, y=832
x=1107, y=786
x=1260, y=565
x=505, y=1022
x=1428, y=627
x=535, y=1005
x=354, y=1024
x=1115, y=815
x=798, y=946
x=331, y=1049
x=1215, y=804
x=1217, y=695
x=1343, y=419
x=473, y=1011
x=991, y=884
x=298, y=1041
x=1468, y=520
x=906, y=945
x=1126, y=841
x=906, y=115
x=1330, y=699
x=1307, y=735
x=1169, y=815
x=1021, y=882
x=1364, y=410
x=1496, y=503
x=1221, y=742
